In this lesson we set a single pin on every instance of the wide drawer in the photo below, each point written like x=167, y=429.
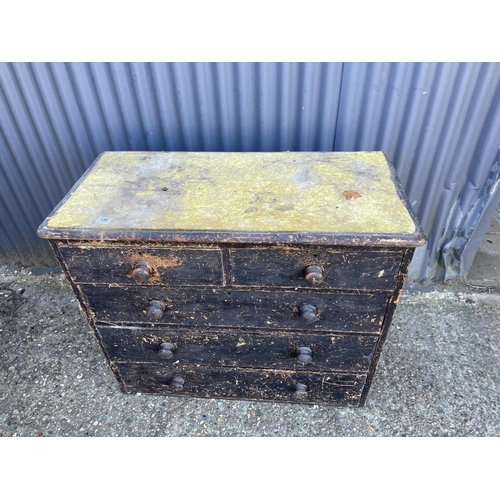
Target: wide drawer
x=340, y=269
x=219, y=348
x=274, y=310
x=160, y=266
x=235, y=383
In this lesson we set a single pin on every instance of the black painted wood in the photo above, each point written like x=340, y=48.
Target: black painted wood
x=272, y=309
x=238, y=383
x=240, y=348
x=342, y=269
x=169, y=266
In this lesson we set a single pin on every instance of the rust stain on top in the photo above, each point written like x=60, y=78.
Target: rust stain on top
x=349, y=195
x=260, y=192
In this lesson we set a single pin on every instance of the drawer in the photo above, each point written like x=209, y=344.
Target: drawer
x=144, y=266
x=339, y=269
x=234, y=383
x=219, y=348
x=276, y=310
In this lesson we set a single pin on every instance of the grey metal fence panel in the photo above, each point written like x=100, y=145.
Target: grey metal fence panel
x=438, y=123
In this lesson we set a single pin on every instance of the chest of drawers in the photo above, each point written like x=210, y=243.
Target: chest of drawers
x=258, y=276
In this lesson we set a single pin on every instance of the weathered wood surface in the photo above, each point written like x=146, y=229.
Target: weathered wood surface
x=169, y=266
x=239, y=348
x=206, y=253
x=274, y=310
x=235, y=383
x=130, y=195
x=343, y=269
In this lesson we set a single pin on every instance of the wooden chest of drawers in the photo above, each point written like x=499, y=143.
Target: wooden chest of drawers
x=260, y=276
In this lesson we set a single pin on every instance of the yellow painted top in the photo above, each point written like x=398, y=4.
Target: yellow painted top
x=258, y=192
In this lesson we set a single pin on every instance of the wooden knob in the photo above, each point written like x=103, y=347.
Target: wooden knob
x=177, y=383
x=141, y=272
x=155, y=309
x=313, y=274
x=304, y=355
x=301, y=390
x=167, y=350
x=308, y=313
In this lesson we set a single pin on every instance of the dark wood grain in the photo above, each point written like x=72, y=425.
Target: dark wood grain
x=342, y=269
x=233, y=383
x=238, y=308
x=239, y=348
x=169, y=266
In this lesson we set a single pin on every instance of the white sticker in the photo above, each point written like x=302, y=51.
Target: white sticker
x=104, y=220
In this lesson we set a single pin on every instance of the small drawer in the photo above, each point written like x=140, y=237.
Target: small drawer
x=319, y=268
x=276, y=310
x=235, y=383
x=143, y=266
x=244, y=349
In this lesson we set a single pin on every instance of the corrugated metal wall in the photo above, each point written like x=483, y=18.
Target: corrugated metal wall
x=438, y=122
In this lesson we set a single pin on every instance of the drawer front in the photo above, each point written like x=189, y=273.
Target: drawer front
x=327, y=352
x=136, y=265
x=234, y=383
x=343, y=270
x=275, y=310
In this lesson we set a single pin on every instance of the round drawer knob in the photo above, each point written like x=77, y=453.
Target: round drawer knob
x=313, y=274
x=177, y=383
x=141, y=272
x=155, y=309
x=304, y=355
x=308, y=313
x=301, y=390
x=167, y=350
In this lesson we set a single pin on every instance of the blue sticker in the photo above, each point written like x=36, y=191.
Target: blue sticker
x=104, y=220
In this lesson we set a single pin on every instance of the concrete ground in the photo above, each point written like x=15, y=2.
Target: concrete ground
x=439, y=374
